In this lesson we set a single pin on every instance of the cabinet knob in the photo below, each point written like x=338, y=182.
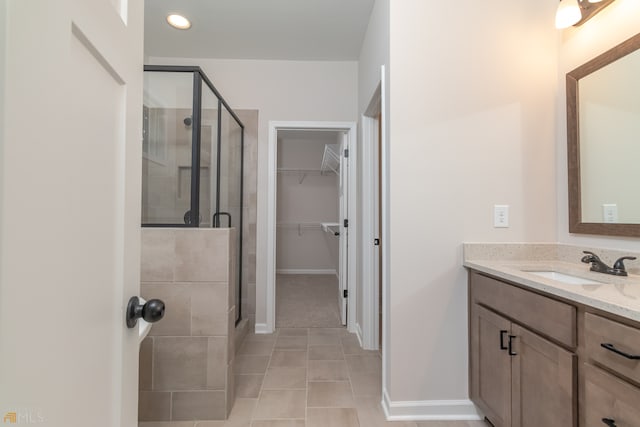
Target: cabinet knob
x=610, y=422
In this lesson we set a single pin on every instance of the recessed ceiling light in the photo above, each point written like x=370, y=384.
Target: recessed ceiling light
x=179, y=22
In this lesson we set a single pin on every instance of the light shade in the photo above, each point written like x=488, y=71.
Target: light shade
x=568, y=13
x=179, y=22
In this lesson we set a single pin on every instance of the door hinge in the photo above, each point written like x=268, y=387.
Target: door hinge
x=346, y=152
x=376, y=242
x=345, y=293
x=346, y=223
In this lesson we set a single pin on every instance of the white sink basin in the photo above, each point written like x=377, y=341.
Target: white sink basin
x=567, y=279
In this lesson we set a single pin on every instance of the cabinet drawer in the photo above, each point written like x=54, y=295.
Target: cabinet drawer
x=609, y=398
x=623, y=344
x=549, y=317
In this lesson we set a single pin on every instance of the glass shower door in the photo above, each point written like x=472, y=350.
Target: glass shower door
x=230, y=192
x=166, y=147
x=208, y=156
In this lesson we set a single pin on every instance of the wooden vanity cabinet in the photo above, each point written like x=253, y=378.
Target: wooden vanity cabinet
x=490, y=365
x=518, y=377
x=610, y=373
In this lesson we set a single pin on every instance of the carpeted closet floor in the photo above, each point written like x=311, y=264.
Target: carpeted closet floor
x=307, y=301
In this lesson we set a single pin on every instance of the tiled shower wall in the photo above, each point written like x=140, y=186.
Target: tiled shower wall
x=186, y=362
x=250, y=214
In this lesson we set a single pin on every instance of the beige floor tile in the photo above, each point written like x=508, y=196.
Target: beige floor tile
x=328, y=370
x=285, y=378
x=275, y=404
x=326, y=331
x=326, y=352
x=292, y=332
x=324, y=340
x=166, y=424
x=278, y=423
x=370, y=414
x=257, y=348
x=251, y=364
x=364, y=364
x=291, y=343
x=350, y=344
x=211, y=424
x=329, y=395
x=261, y=337
x=366, y=384
x=288, y=359
x=452, y=424
x=333, y=417
x=248, y=386
x=242, y=413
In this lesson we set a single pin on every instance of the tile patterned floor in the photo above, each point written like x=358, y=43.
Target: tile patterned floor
x=308, y=378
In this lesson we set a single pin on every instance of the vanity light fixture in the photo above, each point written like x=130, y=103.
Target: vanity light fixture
x=577, y=12
x=179, y=22
x=568, y=13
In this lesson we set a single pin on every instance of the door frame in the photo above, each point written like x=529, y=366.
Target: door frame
x=274, y=127
x=370, y=328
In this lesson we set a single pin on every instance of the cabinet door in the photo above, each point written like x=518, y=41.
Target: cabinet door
x=608, y=400
x=490, y=368
x=544, y=382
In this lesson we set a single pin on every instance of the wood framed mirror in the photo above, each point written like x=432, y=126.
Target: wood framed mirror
x=603, y=142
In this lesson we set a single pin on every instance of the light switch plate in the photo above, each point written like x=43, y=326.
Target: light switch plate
x=501, y=216
x=610, y=213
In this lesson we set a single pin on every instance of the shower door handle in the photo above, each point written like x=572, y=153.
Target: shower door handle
x=216, y=219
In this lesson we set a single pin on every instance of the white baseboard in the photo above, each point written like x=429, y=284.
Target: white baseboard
x=429, y=410
x=262, y=328
x=306, y=271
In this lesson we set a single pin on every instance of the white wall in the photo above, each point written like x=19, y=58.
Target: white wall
x=616, y=23
x=306, y=199
x=3, y=41
x=473, y=90
x=281, y=91
x=374, y=54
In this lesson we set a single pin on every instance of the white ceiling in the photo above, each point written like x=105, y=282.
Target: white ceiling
x=330, y=30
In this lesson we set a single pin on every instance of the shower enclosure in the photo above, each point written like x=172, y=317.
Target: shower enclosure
x=192, y=156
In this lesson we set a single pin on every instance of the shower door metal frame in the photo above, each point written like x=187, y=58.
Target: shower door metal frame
x=198, y=78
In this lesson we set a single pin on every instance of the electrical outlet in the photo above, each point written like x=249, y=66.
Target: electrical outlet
x=610, y=213
x=501, y=216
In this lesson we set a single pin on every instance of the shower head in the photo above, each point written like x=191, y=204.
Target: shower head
x=187, y=121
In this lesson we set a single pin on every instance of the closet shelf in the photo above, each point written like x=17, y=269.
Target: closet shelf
x=331, y=227
x=300, y=226
x=331, y=159
x=301, y=172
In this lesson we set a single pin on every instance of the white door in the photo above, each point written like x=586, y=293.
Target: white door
x=344, y=230
x=70, y=211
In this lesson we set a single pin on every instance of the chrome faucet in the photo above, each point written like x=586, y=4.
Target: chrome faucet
x=600, y=267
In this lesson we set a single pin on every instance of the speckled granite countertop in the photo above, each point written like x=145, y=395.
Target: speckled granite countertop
x=515, y=262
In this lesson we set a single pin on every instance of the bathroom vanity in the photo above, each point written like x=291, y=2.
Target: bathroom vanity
x=551, y=343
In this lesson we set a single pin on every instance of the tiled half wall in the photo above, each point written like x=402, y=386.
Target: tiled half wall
x=186, y=362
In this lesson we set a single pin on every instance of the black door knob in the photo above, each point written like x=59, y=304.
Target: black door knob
x=151, y=311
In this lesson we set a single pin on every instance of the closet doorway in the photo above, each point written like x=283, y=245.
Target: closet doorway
x=312, y=261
